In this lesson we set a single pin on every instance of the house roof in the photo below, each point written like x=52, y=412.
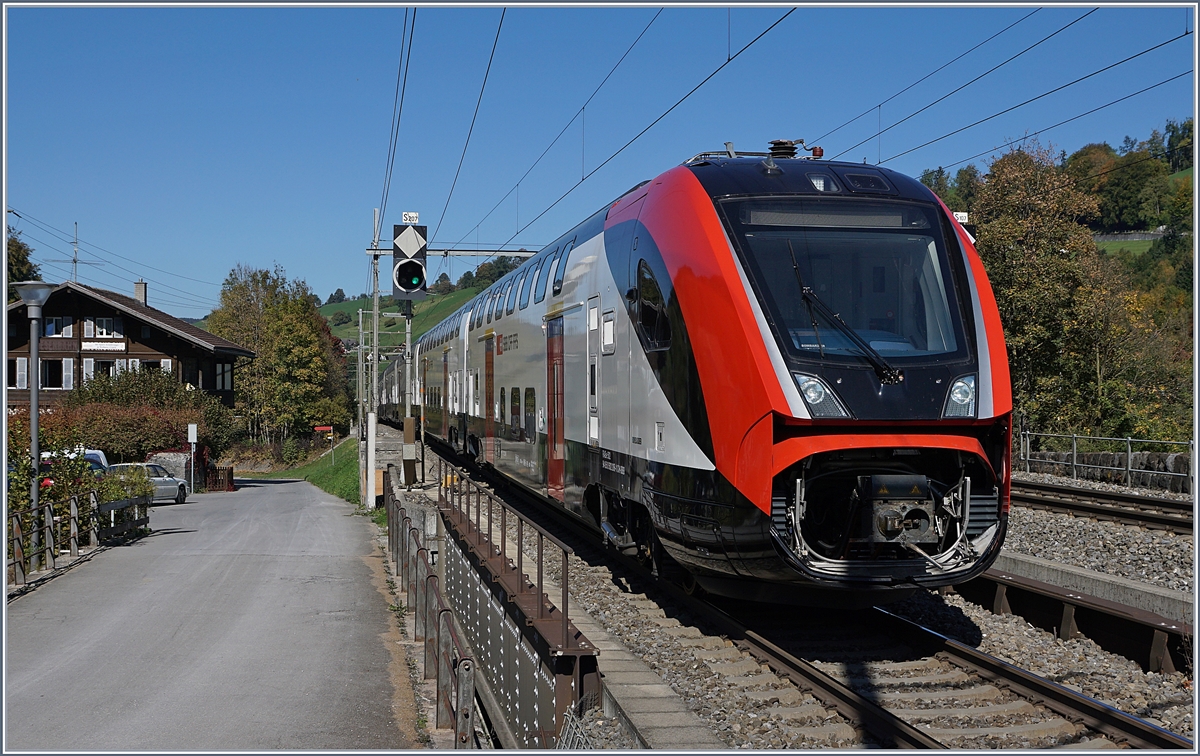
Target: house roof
x=169, y=323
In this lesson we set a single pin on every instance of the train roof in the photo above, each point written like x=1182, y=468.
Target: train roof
x=723, y=176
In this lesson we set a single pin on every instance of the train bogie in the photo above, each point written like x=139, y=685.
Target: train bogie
x=781, y=374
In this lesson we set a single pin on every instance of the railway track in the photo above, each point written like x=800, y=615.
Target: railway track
x=865, y=678
x=1130, y=509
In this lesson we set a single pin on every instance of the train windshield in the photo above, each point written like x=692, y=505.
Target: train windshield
x=879, y=267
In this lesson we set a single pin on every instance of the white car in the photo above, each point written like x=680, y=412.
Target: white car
x=166, y=485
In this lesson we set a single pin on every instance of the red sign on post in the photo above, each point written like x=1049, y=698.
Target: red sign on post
x=319, y=428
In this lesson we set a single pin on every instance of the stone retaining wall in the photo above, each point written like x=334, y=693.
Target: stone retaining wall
x=1142, y=470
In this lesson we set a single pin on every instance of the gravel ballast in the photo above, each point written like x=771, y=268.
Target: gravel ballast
x=1157, y=557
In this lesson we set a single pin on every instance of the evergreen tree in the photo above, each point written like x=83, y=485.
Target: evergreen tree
x=20, y=268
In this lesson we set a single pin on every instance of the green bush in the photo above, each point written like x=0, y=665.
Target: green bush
x=292, y=452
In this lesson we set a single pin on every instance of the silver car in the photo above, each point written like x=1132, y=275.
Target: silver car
x=166, y=485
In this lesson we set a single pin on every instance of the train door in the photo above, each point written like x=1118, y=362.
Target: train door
x=445, y=397
x=489, y=399
x=593, y=389
x=555, y=437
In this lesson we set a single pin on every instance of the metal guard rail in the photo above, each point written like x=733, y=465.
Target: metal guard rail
x=1128, y=471
x=445, y=655
x=561, y=646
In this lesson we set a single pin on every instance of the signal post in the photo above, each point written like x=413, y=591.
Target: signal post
x=409, y=282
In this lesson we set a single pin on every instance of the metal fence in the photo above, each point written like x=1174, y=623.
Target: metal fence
x=36, y=537
x=1129, y=461
x=538, y=662
x=446, y=657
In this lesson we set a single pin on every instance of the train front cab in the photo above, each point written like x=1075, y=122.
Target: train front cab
x=868, y=445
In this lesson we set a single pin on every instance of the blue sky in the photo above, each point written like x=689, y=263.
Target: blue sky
x=185, y=141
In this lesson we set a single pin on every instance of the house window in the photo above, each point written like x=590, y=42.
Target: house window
x=105, y=367
x=16, y=373
x=105, y=328
x=151, y=365
x=224, y=372
x=58, y=374
x=145, y=332
x=57, y=326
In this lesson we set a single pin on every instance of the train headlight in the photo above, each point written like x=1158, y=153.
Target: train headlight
x=820, y=400
x=960, y=402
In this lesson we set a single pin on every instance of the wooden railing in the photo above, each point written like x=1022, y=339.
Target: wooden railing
x=33, y=546
x=219, y=479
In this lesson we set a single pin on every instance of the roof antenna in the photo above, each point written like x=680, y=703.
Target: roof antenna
x=729, y=149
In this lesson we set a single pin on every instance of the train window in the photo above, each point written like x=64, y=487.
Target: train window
x=477, y=313
x=500, y=297
x=499, y=304
x=547, y=270
x=562, y=267
x=512, y=295
x=652, y=324
x=500, y=406
x=883, y=266
x=515, y=415
x=530, y=416
x=491, y=305
x=527, y=286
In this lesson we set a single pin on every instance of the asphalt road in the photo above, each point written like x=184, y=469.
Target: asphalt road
x=246, y=621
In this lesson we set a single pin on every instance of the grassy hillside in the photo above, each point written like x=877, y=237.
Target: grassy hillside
x=338, y=476
x=426, y=315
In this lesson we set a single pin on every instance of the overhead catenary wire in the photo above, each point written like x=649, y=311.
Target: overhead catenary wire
x=923, y=78
x=665, y=113
x=1043, y=130
x=917, y=112
x=397, y=107
x=1038, y=97
x=563, y=130
x=467, y=142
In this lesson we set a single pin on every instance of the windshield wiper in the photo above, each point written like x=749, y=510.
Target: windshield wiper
x=887, y=374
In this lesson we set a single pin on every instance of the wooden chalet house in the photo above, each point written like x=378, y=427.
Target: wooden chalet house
x=88, y=332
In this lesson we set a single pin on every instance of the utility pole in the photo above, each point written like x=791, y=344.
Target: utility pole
x=372, y=417
x=408, y=376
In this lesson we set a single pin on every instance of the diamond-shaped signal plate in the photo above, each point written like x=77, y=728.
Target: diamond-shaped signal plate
x=409, y=241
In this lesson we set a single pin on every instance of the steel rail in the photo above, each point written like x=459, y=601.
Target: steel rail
x=1096, y=715
x=1130, y=509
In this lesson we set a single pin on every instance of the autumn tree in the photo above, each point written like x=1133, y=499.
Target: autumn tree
x=1084, y=355
x=295, y=378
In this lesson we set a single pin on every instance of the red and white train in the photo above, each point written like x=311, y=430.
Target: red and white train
x=783, y=373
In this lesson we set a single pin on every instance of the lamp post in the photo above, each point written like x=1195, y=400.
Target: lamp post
x=34, y=294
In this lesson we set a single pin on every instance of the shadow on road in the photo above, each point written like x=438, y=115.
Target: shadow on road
x=259, y=482
x=155, y=533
